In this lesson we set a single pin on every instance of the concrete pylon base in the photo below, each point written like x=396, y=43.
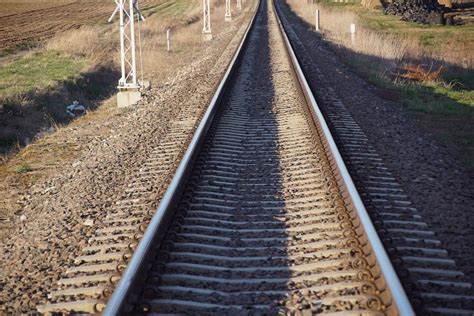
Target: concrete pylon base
x=126, y=98
x=228, y=18
x=207, y=36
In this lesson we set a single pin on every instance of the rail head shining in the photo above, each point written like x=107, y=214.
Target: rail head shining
x=393, y=283
x=120, y=294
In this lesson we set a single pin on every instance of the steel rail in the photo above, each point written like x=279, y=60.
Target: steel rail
x=163, y=214
x=396, y=289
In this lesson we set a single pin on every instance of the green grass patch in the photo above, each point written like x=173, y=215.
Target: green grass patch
x=17, y=48
x=460, y=80
x=39, y=70
x=23, y=168
x=444, y=98
x=437, y=99
x=428, y=39
x=167, y=9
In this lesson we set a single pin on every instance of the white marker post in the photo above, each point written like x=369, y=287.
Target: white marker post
x=206, y=29
x=168, y=39
x=316, y=21
x=353, y=33
x=228, y=13
x=239, y=4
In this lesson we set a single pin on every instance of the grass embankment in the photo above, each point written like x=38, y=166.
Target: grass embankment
x=78, y=65
x=6, y=52
x=430, y=37
x=38, y=70
x=429, y=70
x=92, y=48
x=78, y=61
x=36, y=88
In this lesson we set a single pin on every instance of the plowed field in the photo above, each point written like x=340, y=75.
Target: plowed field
x=23, y=24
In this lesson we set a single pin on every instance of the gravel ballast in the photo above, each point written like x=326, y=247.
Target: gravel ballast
x=61, y=213
x=438, y=184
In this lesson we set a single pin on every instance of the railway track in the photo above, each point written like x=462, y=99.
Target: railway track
x=261, y=215
x=434, y=282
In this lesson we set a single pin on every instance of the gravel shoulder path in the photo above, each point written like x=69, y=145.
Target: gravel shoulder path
x=437, y=183
x=61, y=213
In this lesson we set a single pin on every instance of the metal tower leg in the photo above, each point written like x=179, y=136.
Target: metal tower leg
x=228, y=13
x=206, y=30
x=128, y=86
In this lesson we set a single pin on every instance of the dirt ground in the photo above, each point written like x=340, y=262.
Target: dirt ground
x=8, y=9
x=24, y=24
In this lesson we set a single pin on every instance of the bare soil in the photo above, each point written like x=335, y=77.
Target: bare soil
x=8, y=9
x=26, y=24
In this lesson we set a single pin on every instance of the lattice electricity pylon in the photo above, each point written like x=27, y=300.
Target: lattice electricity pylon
x=206, y=9
x=239, y=4
x=228, y=13
x=129, y=79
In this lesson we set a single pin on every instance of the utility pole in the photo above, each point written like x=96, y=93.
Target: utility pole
x=206, y=30
x=228, y=13
x=128, y=84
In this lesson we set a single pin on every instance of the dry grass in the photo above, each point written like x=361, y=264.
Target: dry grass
x=335, y=25
x=84, y=42
x=390, y=45
x=186, y=38
x=420, y=73
x=428, y=69
x=102, y=46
